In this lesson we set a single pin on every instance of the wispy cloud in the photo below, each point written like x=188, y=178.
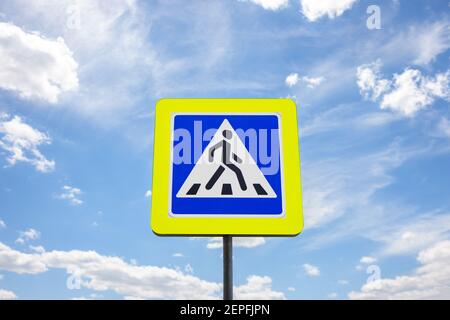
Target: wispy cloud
x=28, y=235
x=343, y=117
x=444, y=127
x=414, y=234
x=71, y=194
x=431, y=42
x=329, y=184
x=343, y=192
x=258, y=288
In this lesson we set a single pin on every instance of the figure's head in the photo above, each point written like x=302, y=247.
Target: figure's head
x=227, y=134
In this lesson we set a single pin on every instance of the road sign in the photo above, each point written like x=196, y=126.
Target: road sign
x=226, y=167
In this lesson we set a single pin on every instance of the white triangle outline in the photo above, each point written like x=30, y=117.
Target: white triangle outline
x=204, y=170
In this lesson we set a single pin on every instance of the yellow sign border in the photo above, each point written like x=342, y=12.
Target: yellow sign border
x=163, y=224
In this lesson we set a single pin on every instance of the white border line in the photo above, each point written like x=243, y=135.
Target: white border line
x=248, y=215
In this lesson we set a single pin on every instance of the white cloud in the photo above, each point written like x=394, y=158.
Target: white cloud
x=271, y=4
x=312, y=82
x=71, y=194
x=413, y=92
x=7, y=295
x=18, y=262
x=148, y=193
x=120, y=47
x=238, y=242
x=431, y=280
x=407, y=93
x=367, y=260
x=34, y=66
x=28, y=235
x=178, y=255
x=369, y=81
x=292, y=79
x=101, y=273
x=343, y=116
x=291, y=289
x=343, y=282
x=315, y=9
x=2, y=224
x=257, y=288
x=337, y=187
x=311, y=270
x=22, y=143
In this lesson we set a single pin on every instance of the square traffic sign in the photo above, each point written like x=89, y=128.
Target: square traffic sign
x=226, y=167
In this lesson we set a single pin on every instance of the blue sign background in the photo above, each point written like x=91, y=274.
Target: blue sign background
x=229, y=206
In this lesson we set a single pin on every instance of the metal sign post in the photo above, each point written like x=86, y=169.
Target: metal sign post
x=227, y=268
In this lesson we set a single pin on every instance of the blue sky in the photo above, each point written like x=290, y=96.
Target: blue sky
x=78, y=85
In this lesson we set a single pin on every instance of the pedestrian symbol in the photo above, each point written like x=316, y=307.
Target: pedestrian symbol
x=226, y=169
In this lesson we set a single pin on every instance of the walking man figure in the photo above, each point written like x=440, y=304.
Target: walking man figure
x=227, y=157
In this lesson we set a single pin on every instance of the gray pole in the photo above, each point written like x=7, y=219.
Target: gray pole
x=227, y=268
